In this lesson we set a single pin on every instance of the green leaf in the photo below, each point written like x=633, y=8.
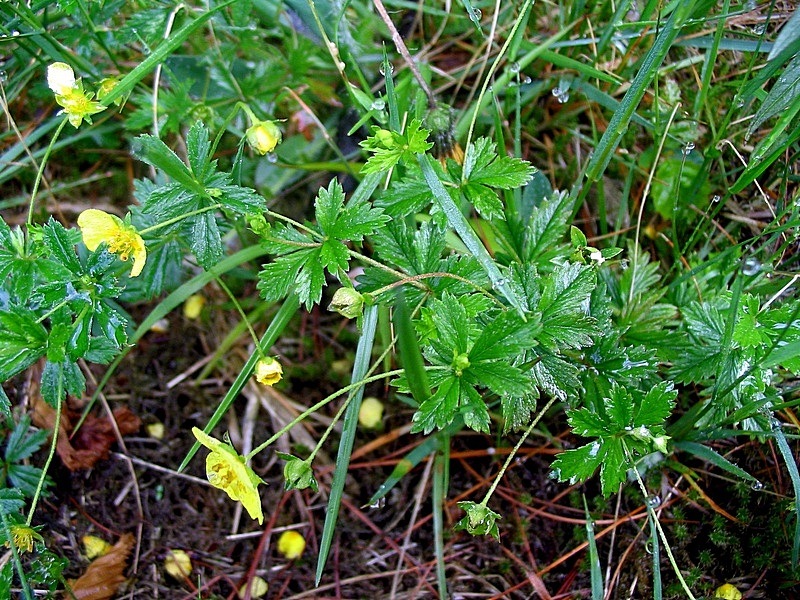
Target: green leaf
x=22, y=341
x=483, y=166
x=565, y=323
x=61, y=378
x=11, y=502
x=475, y=414
x=408, y=196
x=198, y=148
x=619, y=408
x=21, y=443
x=349, y=222
x=205, y=239
x=154, y=152
x=302, y=269
x=517, y=411
x=579, y=464
x=5, y=404
x=505, y=337
x=61, y=243
x=439, y=410
x=546, y=230
x=388, y=147
x=656, y=405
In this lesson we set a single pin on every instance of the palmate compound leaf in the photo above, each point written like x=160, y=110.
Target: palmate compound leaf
x=630, y=425
x=388, y=147
x=484, y=169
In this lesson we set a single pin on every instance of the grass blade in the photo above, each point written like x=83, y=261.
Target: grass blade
x=349, y=424
x=794, y=474
x=594, y=557
x=441, y=479
x=619, y=122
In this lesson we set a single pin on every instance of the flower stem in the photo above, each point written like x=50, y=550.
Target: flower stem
x=40, y=172
x=238, y=306
x=174, y=220
x=40, y=485
x=513, y=453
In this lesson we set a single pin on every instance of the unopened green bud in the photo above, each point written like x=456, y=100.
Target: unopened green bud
x=347, y=302
x=460, y=363
x=384, y=138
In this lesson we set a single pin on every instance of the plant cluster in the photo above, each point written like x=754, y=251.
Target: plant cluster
x=505, y=315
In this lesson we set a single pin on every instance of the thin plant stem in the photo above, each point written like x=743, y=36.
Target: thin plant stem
x=242, y=314
x=403, y=50
x=517, y=446
x=174, y=220
x=40, y=172
x=40, y=485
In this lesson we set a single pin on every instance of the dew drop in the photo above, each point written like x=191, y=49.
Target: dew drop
x=756, y=486
x=272, y=157
x=514, y=67
x=526, y=80
x=716, y=198
x=654, y=501
x=475, y=14
x=555, y=474
x=491, y=451
x=378, y=104
x=383, y=71
x=561, y=93
x=3, y=76
x=687, y=149
x=624, y=264
x=380, y=503
x=751, y=266
x=500, y=283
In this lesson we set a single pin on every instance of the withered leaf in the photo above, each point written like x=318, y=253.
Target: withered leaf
x=105, y=574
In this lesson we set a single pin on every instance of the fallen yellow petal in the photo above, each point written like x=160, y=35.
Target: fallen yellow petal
x=291, y=544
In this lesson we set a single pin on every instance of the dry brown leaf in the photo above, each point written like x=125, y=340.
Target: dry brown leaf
x=93, y=440
x=104, y=575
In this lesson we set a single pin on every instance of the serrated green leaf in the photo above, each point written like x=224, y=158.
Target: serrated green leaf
x=22, y=341
x=388, y=147
x=614, y=468
x=517, y=411
x=439, y=410
x=21, y=443
x=242, y=200
x=205, y=240
x=505, y=337
x=198, y=147
x=565, y=323
x=154, y=152
x=407, y=196
x=480, y=519
x=5, y=404
x=450, y=320
x=500, y=377
x=11, y=502
x=474, y=411
x=656, y=405
x=548, y=226
x=278, y=277
x=619, y=408
x=483, y=166
x=346, y=222
x=579, y=464
x=61, y=243
x=586, y=423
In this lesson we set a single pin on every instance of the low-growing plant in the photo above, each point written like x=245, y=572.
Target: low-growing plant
x=505, y=316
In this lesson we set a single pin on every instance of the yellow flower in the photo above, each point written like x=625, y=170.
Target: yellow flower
x=23, y=537
x=94, y=546
x=77, y=104
x=225, y=469
x=105, y=87
x=263, y=136
x=268, y=371
x=178, y=564
x=371, y=413
x=193, y=306
x=122, y=238
x=257, y=586
x=291, y=544
x=727, y=591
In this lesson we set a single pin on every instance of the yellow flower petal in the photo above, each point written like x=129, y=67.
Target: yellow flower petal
x=291, y=544
x=98, y=226
x=225, y=469
x=257, y=587
x=371, y=413
x=94, y=546
x=263, y=136
x=728, y=591
x=60, y=78
x=178, y=564
x=193, y=306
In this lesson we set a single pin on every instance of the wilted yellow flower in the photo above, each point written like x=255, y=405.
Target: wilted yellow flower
x=178, y=564
x=257, y=586
x=728, y=591
x=122, y=238
x=371, y=413
x=23, y=537
x=263, y=136
x=193, y=306
x=268, y=371
x=291, y=544
x=77, y=104
x=226, y=470
x=105, y=87
x=94, y=546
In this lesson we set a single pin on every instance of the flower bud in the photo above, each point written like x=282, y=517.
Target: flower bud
x=268, y=371
x=347, y=302
x=257, y=587
x=263, y=136
x=384, y=138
